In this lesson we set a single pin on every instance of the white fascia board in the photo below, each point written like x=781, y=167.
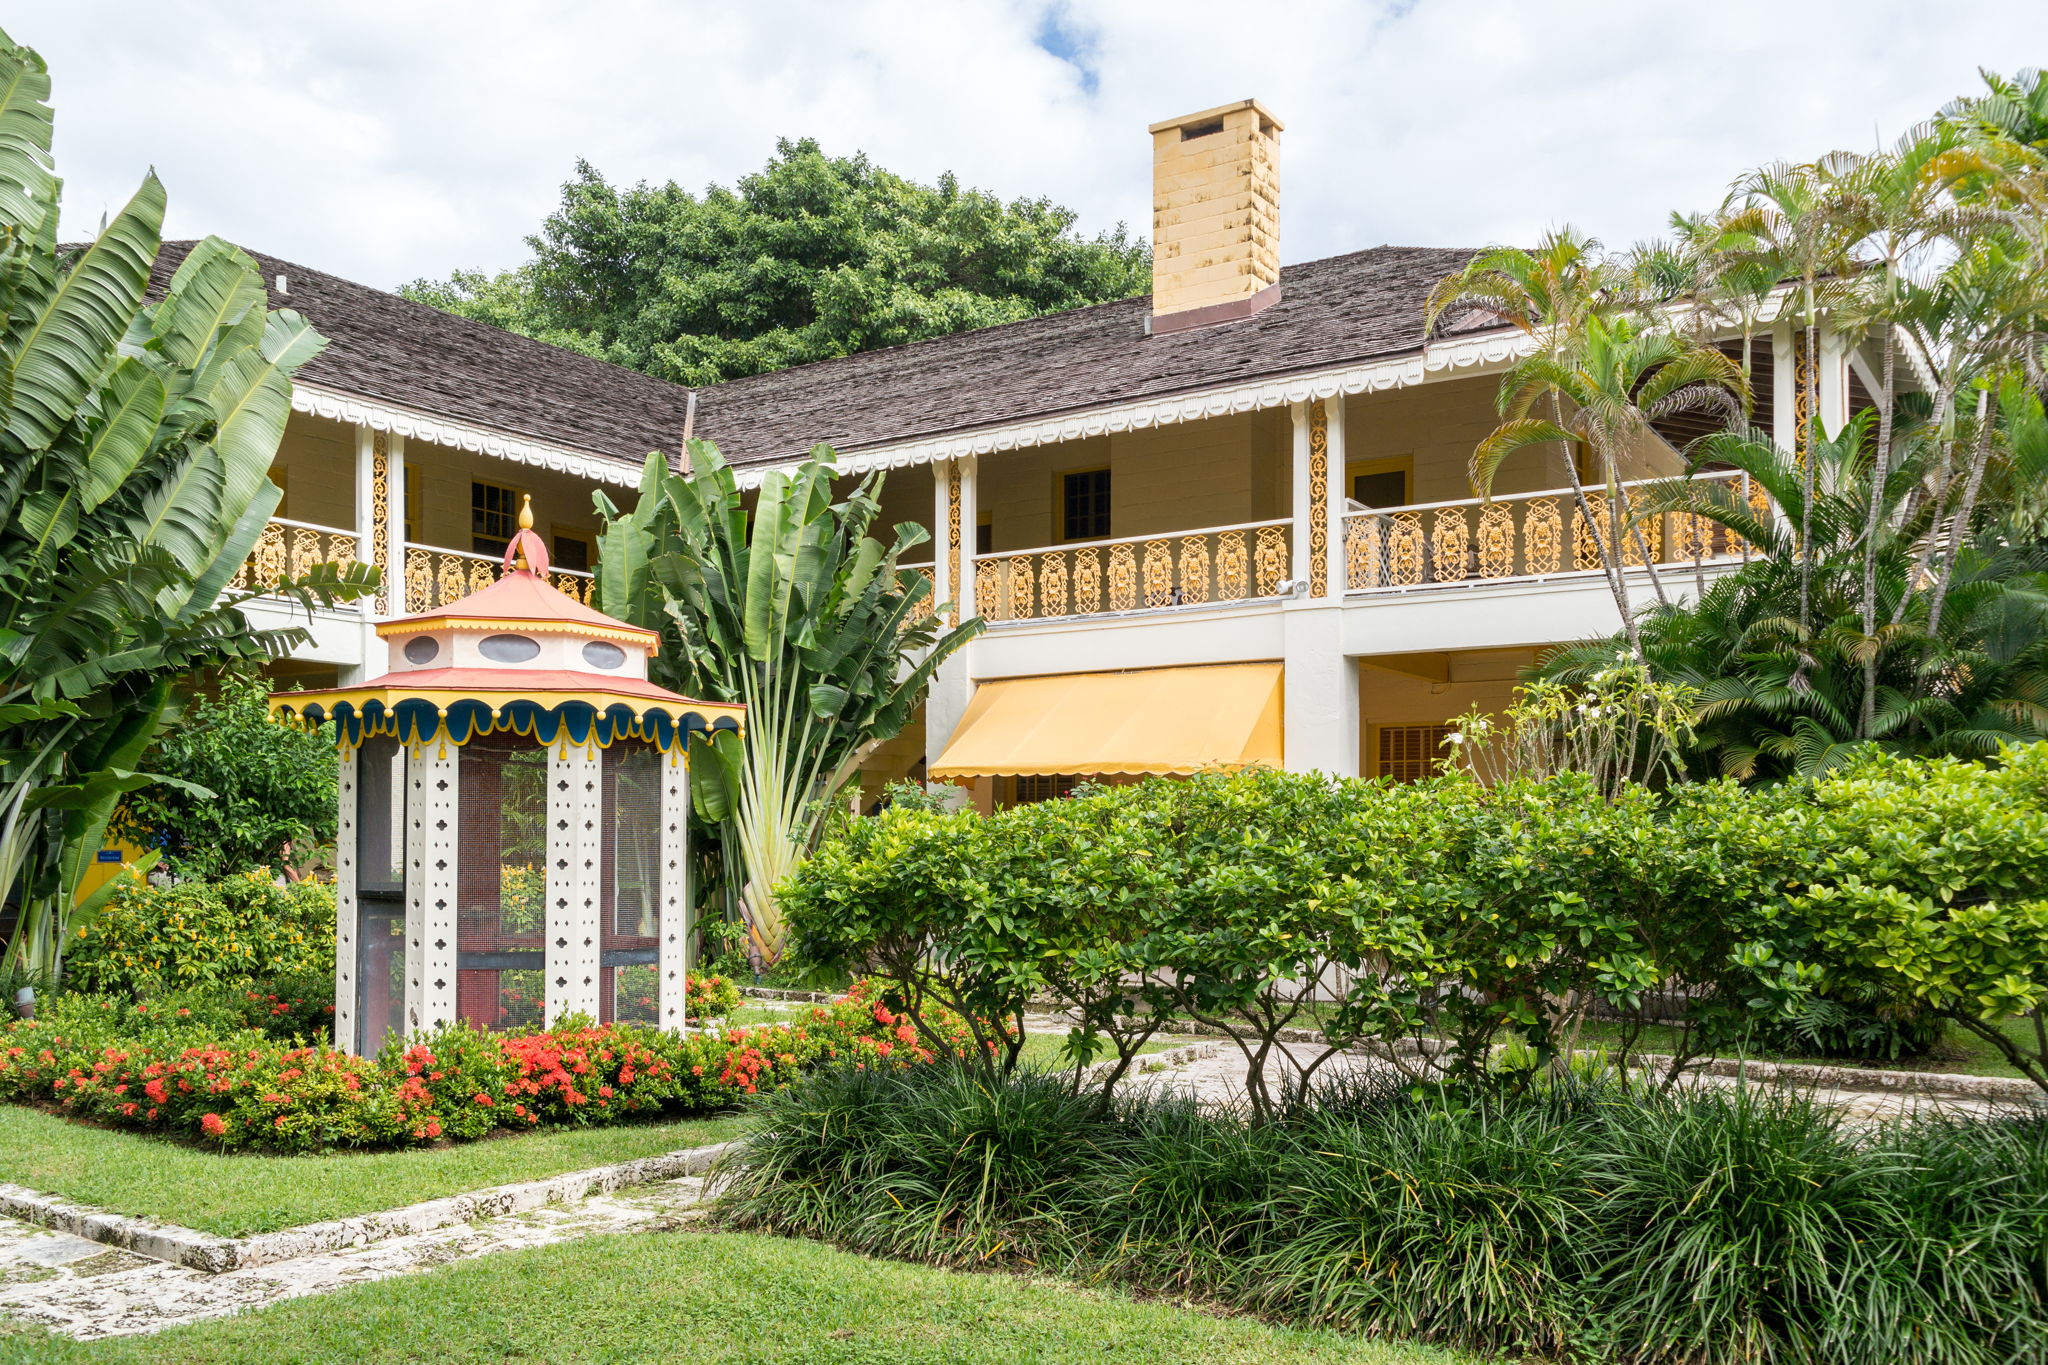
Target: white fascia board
x=336, y=406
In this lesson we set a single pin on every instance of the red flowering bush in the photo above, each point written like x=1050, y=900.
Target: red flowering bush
x=192, y=1073
x=709, y=996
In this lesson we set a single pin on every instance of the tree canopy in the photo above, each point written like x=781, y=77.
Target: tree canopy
x=812, y=257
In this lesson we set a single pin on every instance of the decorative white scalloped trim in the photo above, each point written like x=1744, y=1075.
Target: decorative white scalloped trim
x=442, y=431
x=1491, y=349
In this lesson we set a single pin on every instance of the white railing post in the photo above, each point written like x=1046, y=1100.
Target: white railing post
x=1339, y=491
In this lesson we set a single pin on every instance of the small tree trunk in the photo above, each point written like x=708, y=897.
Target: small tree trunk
x=1879, y=472
x=1987, y=414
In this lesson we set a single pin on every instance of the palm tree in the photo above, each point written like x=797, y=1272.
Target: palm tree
x=1779, y=698
x=1550, y=294
x=1789, y=216
x=795, y=611
x=1605, y=383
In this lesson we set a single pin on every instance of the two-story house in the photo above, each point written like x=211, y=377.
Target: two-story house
x=1228, y=522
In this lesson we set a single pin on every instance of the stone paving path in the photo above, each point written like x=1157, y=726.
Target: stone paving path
x=1220, y=1080
x=85, y=1290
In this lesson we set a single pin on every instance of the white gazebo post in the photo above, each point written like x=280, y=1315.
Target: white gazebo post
x=677, y=902
x=540, y=866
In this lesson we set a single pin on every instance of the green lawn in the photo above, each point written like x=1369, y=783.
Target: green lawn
x=718, y=1298
x=237, y=1195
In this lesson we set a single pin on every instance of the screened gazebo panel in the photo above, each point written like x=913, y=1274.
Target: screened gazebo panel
x=501, y=882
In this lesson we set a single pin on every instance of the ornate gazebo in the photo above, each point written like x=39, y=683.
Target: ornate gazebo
x=514, y=818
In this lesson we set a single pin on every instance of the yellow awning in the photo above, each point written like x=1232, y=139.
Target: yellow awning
x=1158, y=720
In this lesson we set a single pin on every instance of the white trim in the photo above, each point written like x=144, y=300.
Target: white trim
x=442, y=431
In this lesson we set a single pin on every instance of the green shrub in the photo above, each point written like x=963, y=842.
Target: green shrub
x=1570, y=1220
x=1452, y=924
x=272, y=787
x=240, y=929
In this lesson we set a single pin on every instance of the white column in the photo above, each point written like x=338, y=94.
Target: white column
x=395, y=475
x=575, y=879
x=345, y=904
x=1784, y=385
x=370, y=652
x=970, y=522
x=1303, y=505
x=1339, y=488
x=942, y=566
x=1319, y=691
x=432, y=809
x=1834, y=381
x=678, y=921
x=953, y=685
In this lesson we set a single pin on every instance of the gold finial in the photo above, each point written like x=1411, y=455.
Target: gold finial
x=526, y=511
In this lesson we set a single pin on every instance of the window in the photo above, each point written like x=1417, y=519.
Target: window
x=984, y=537
x=1084, y=500
x=1386, y=488
x=1409, y=753
x=493, y=516
x=1030, y=787
x=572, y=552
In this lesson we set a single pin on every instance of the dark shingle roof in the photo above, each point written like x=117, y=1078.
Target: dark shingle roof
x=1341, y=309
x=1333, y=311
x=414, y=356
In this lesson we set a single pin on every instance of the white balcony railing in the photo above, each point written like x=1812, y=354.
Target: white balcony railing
x=1522, y=536
x=1134, y=573
x=287, y=548
x=435, y=577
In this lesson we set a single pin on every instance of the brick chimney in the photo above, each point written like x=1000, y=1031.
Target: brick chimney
x=1215, y=216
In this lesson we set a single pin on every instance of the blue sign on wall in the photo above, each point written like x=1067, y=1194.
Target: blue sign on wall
x=108, y=855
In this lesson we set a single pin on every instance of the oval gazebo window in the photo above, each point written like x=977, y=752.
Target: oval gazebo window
x=422, y=649
x=507, y=649
x=603, y=654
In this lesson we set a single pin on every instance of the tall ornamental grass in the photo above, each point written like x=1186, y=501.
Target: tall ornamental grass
x=1579, y=1220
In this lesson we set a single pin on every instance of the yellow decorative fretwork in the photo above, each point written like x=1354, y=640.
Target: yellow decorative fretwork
x=1269, y=560
x=293, y=551
x=1194, y=569
x=1123, y=578
x=953, y=541
x=1158, y=574
x=1362, y=552
x=990, y=594
x=1588, y=539
x=1451, y=538
x=1542, y=537
x=266, y=561
x=1087, y=582
x=1019, y=567
x=1052, y=585
x=1496, y=541
x=1802, y=403
x=419, y=580
x=1233, y=569
x=380, y=517
x=1318, y=500
x=1406, y=557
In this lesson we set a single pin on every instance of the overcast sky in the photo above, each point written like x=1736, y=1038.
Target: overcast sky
x=386, y=141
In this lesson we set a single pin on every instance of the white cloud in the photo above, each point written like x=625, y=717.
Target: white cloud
x=384, y=140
